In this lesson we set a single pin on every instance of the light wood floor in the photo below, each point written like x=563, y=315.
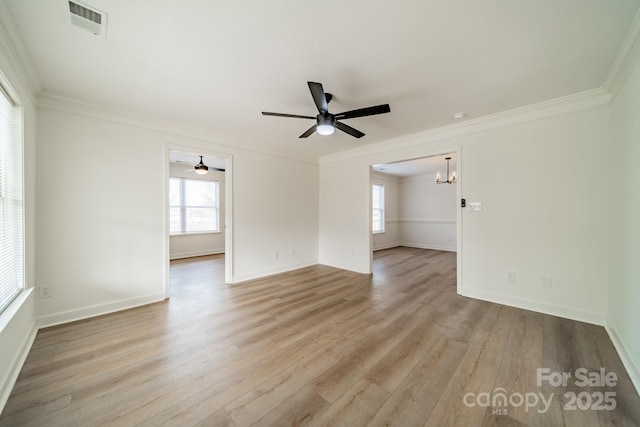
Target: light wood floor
x=317, y=346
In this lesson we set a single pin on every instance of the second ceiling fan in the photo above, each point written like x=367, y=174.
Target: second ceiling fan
x=326, y=122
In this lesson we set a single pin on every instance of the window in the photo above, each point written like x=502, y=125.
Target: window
x=378, y=208
x=193, y=206
x=11, y=218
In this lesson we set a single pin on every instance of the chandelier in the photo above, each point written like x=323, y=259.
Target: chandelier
x=450, y=178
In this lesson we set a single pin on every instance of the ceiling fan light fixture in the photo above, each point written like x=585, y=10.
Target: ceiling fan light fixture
x=327, y=123
x=325, y=126
x=201, y=168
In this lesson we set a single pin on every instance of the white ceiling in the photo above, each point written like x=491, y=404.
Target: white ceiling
x=424, y=166
x=218, y=64
x=193, y=159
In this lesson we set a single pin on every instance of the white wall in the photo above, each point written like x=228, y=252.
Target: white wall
x=102, y=218
x=190, y=245
x=18, y=322
x=428, y=213
x=537, y=173
x=418, y=213
x=624, y=202
x=275, y=205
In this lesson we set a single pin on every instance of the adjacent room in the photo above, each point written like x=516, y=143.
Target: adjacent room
x=337, y=213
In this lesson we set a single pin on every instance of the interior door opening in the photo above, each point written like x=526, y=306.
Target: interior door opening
x=199, y=211
x=410, y=209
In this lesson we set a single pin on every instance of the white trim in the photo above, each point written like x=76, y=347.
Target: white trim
x=427, y=246
x=272, y=271
x=195, y=233
x=15, y=49
x=54, y=102
x=628, y=56
x=427, y=221
x=21, y=351
x=590, y=99
x=538, y=306
x=387, y=246
x=227, y=227
x=182, y=255
x=98, y=310
x=7, y=383
x=624, y=353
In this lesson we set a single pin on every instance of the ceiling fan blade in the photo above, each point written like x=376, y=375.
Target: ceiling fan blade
x=348, y=129
x=211, y=168
x=361, y=112
x=308, y=132
x=295, y=116
x=319, y=96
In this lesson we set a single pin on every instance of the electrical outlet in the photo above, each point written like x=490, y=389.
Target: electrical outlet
x=276, y=255
x=292, y=252
x=511, y=277
x=545, y=282
x=45, y=291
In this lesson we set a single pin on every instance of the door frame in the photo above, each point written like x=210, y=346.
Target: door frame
x=228, y=208
x=459, y=180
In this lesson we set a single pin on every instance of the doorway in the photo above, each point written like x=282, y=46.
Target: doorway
x=410, y=209
x=199, y=213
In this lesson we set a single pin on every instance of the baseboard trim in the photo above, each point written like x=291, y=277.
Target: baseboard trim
x=538, y=306
x=388, y=246
x=432, y=247
x=6, y=387
x=624, y=353
x=97, y=310
x=417, y=246
x=270, y=272
x=193, y=254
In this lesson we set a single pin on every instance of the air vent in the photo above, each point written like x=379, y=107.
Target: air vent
x=88, y=18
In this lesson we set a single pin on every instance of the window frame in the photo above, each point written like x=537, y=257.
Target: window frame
x=183, y=207
x=380, y=208
x=12, y=248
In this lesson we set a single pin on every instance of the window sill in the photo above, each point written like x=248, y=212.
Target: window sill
x=379, y=232
x=195, y=233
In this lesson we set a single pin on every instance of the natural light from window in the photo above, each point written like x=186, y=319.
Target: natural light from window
x=194, y=206
x=378, y=208
x=11, y=217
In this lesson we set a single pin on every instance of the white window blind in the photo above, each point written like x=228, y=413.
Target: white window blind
x=194, y=206
x=378, y=208
x=11, y=217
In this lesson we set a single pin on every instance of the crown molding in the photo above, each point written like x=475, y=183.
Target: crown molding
x=628, y=56
x=55, y=102
x=14, y=51
x=586, y=100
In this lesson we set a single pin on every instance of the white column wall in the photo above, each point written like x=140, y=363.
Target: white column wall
x=102, y=211
x=544, y=205
x=624, y=208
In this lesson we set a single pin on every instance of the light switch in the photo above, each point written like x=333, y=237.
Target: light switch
x=475, y=206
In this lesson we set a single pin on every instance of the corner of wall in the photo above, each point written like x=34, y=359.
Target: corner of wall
x=628, y=55
x=17, y=334
x=97, y=310
x=624, y=353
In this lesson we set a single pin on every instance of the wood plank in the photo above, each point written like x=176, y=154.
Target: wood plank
x=412, y=402
x=317, y=346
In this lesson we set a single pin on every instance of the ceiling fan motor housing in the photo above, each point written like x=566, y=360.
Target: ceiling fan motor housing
x=326, y=123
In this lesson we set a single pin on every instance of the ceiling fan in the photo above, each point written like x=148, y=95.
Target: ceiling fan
x=202, y=169
x=326, y=123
